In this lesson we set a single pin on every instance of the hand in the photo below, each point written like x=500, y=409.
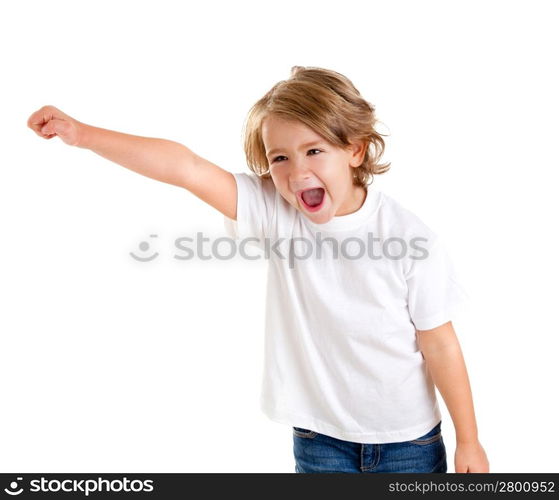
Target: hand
x=49, y=122
x=470, y=457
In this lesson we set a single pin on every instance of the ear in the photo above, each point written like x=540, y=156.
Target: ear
x=357, y=150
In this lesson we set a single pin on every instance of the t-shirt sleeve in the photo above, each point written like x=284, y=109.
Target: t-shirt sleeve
x=255, y=208
x=434, y=292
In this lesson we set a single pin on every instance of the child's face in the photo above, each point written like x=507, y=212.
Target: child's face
x=295, y=168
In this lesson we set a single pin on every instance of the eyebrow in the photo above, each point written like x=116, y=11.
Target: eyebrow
x=303, y=146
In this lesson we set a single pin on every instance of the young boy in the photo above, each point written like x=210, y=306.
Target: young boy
x=358, y=328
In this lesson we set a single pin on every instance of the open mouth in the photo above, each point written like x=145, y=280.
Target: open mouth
x=313, y=199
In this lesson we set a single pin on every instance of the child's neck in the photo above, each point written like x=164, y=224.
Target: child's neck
x=354, y=202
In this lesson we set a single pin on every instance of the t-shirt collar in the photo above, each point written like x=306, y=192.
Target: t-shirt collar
x=353, y=220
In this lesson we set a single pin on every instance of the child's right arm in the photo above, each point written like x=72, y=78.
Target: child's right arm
x=161, y=159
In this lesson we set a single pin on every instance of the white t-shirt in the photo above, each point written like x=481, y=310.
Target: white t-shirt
x=341, y=354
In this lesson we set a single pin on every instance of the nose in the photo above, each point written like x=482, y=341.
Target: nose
x=299, y=172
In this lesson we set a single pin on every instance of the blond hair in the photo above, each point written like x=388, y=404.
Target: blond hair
x=329, y=104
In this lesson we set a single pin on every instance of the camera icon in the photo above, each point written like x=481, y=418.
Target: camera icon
x=144, y=247
x=12, y=490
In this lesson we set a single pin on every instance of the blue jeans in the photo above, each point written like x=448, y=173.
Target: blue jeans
x=315, y=452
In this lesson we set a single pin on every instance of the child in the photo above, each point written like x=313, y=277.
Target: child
x=358, y=326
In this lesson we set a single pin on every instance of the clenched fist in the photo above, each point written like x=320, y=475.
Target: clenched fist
x=49, y=122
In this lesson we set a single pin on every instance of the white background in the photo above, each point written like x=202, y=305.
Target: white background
x=113, y=365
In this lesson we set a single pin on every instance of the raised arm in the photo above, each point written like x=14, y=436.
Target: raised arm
x=160, y=159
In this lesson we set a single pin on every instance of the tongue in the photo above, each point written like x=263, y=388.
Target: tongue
x=313, y=197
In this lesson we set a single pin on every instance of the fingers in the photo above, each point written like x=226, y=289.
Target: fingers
x=49, y=127
x=40, y=118
x=56, y=126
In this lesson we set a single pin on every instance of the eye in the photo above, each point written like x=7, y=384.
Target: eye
x=276, y=158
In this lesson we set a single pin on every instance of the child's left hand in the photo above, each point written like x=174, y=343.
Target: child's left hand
x=470, y=457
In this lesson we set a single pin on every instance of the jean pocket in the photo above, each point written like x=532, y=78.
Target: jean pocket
x=304, y=433
x=431, y=437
